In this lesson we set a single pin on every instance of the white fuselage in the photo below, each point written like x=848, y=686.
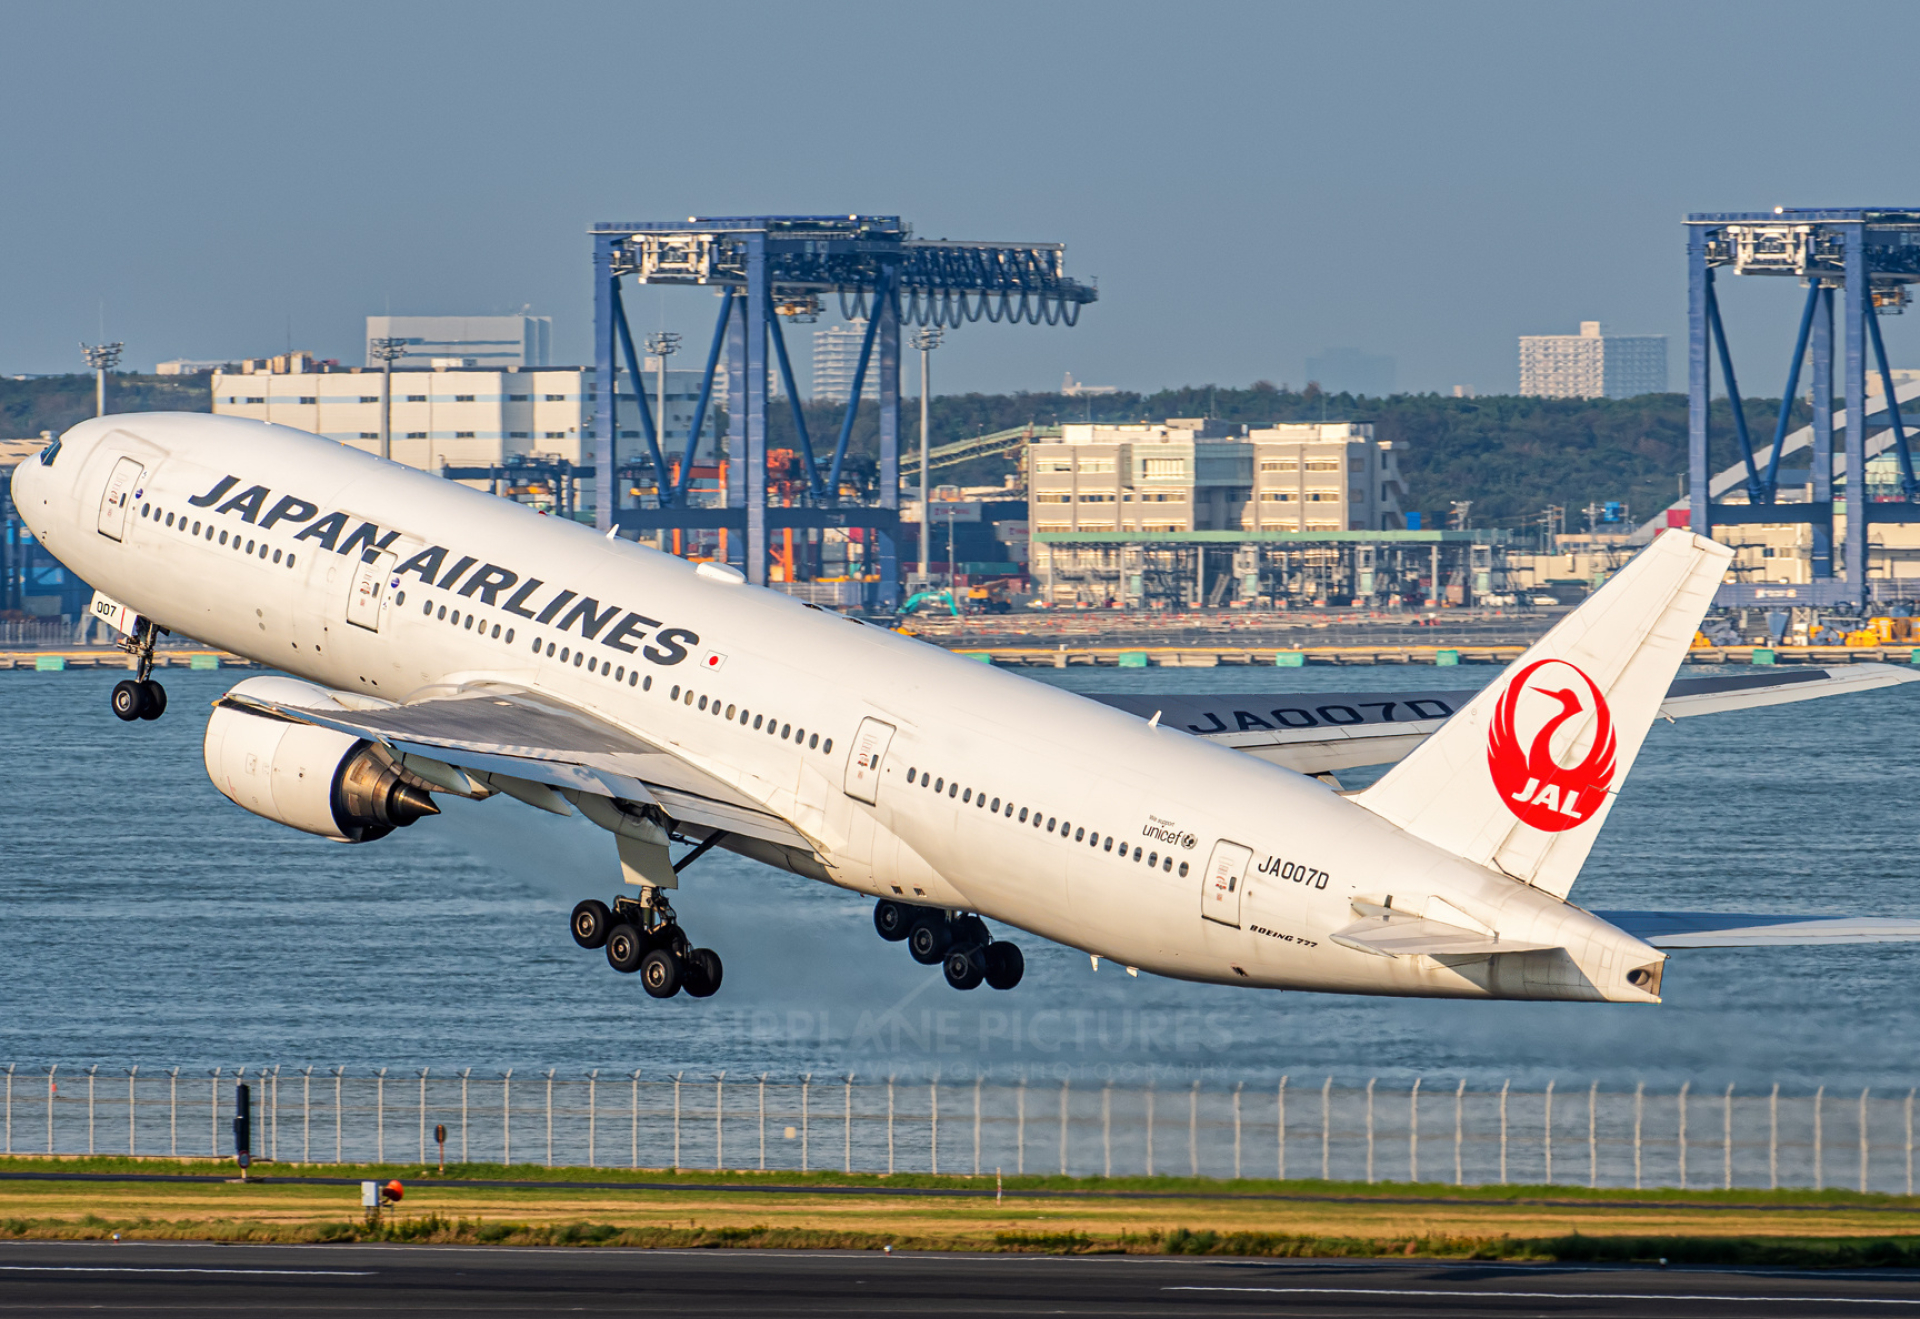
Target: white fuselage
x=1046, y=810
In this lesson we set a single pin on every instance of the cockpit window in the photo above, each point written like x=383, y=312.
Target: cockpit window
x=48, y=454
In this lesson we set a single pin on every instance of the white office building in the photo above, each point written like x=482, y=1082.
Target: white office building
x=1592, y=364
x=467, y=418
x=509, y=343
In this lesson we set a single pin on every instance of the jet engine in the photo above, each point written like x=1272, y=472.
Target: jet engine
x=315, y=779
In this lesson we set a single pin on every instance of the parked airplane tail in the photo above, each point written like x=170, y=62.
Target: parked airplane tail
x=1522, y=779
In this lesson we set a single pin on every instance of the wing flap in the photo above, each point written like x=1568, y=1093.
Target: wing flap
x=1729, y=929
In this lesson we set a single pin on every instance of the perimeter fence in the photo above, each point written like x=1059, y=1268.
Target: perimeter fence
x=1585, y=1136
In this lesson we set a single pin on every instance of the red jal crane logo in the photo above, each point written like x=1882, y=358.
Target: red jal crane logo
x=1541, y=792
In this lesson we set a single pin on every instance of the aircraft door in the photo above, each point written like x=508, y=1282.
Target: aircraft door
x=122, y=483
x=1223, y=881
x=367, y=590
x=865, y=758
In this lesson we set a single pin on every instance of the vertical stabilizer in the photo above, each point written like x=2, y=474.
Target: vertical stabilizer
x=1522, y=779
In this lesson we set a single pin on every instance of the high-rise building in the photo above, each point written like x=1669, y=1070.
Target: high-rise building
x=489, y=343
x=1592, y=364
x=836, y=355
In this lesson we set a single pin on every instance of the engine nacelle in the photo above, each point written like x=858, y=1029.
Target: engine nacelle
x=315, y=779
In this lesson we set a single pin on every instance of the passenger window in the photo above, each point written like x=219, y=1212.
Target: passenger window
x=813, y=741
x=939, y=785
x=674, y=695
x=1109, y=842
x=1023, y=815
x=1183, y=870
x=968, y=796
x=223, y=538
x=1167, y=864
x=1050, y=824
x=276, y=559
x=729, y=712
x=1079, y=835
x=996, y=806
x=785, y=730
x=619, y=674
x=443, y=611
x=756, y=723
x=703, y=702
x=1153, y=858
x=826, y=747
x=953, y=790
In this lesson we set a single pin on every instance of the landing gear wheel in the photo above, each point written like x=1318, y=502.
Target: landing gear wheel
x=963, y=968
x=591, y=923
x=129, y=699
x=626, y=950
x=929, y=939
x=701, y=972
x=1005, y=965
x=660, y=973
x=892, y=919
x=156, y=699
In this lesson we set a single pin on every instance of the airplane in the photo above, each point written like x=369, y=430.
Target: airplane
x=435, y=640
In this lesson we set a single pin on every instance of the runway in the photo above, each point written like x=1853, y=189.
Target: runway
x=273, y=1281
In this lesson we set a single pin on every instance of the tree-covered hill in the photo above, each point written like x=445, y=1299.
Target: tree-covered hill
x=53, y=403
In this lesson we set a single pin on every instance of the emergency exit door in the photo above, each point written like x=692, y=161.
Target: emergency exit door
x=122, y=484
x=1222, y=881
x=367, y=590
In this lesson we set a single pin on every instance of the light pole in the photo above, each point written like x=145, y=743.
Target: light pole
x=387, y=352
x=926, y=340
x=102, y=357
x=661, y=344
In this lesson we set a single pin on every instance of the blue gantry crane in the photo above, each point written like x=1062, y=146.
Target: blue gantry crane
x=1869, y=255
x=769, y=267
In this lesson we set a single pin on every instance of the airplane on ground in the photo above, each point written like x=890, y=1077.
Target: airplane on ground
x=437, y=640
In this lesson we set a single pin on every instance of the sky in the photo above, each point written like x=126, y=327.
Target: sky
x=1249, y=182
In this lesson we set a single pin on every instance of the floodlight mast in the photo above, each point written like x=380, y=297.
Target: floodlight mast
x=926, y=340
x=102, y=357
x=386, y=352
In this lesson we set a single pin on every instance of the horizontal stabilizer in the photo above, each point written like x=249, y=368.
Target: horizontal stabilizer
x=1734, y=929
x=1390, y=935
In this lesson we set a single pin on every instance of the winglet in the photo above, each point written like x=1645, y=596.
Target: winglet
x=1522, y=779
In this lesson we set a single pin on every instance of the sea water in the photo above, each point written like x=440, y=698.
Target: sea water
x=144, y=919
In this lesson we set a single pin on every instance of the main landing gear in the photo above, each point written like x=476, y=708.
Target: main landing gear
x=961, y=944
x=140, y=697
x=642, y=934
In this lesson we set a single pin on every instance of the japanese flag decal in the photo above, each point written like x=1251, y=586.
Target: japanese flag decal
x=1537, y=788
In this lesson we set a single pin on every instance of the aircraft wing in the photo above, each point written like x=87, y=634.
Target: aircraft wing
x=1318, y=732
x=491, y=733
x=1728, y=929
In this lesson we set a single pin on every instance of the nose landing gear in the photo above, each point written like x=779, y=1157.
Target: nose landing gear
x=960, y=944
x=140, y=697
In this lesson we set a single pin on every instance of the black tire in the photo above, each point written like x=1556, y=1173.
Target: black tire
x=156, y=699
x=591, y=922
x=963, y=968
x=1005, y=965
x=929, y=939
x=660, y=973
x=701, y=973
x=892, y=920
x=626, y=950
x=129, y=699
